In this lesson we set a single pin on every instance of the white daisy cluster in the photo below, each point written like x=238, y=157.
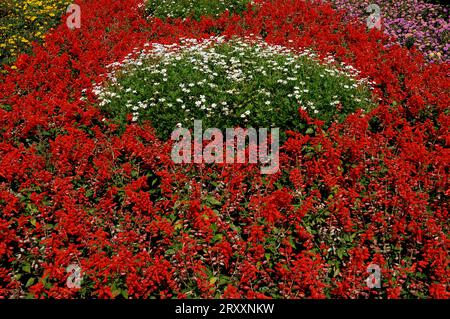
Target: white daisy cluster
x=226, y=76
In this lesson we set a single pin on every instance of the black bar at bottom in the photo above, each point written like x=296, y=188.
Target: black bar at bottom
x=200, y=308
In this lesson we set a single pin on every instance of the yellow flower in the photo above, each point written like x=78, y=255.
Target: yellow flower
x=37, y=15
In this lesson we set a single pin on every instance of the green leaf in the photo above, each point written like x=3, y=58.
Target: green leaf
x=170, y=251
x=30, y=282
x=26, y=267
x=178, y=225
x=217, y=238
x=213, y=201
x=336, y=271
x=89, y=193
x=340, y=252
x=224, y=280
x=47, y=284
x=213, y=280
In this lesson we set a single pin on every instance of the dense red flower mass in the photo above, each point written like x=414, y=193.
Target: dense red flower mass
x=75, y=188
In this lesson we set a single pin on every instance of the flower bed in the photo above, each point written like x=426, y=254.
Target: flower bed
x=77, y=188
x=26, y=21
x=411, y=22
x=194, y=8
x=239, y=83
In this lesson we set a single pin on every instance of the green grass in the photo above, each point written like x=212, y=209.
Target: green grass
x=193, y=8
